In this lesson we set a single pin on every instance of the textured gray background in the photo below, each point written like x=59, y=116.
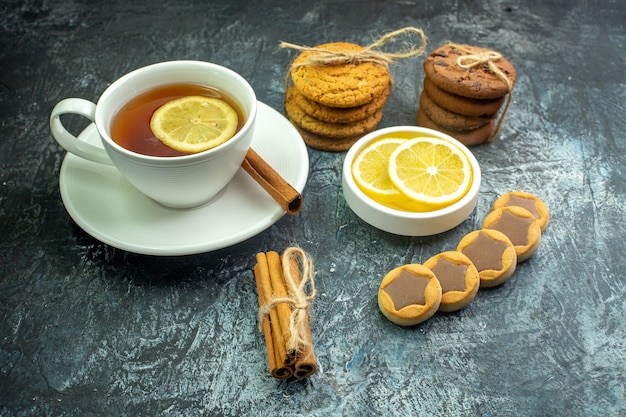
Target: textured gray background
x=86, y=329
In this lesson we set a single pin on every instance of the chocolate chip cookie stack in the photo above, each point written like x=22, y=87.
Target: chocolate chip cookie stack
x=464, y=89
x=333, y=104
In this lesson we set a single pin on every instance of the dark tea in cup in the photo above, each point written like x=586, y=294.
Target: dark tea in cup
x=162, y=97
x=130, y=127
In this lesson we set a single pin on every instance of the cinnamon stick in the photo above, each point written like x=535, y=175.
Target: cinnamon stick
x=265, y=324
x=306, y=364
x=277, y=367
x=272, y=182
x=279, y=290
x=272, y=331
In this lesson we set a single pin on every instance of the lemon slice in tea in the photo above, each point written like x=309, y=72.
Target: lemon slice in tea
x=194, y=123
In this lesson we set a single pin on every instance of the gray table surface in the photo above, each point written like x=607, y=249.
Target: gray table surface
x=87, y=329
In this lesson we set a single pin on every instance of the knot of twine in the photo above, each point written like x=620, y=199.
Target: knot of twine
x=298, y=297
x=475, y=59
x=323, y=56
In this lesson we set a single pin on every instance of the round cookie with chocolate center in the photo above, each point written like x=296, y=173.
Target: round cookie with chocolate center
x=459, y=104
x=409, y=294
x=339, y=85
x=492, y=253
x=479, y=81
x=458, y=278
x=519, y=225
x=528, y=201
x=339, y=114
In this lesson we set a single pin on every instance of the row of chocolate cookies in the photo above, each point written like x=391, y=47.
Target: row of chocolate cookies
x=462, y=94
x=332, y=106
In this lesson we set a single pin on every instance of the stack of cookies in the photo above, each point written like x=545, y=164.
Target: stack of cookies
x=333, y=104
x=463, y=100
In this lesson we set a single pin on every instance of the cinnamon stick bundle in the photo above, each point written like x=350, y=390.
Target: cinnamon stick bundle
x=272, y=182
x=284, y=312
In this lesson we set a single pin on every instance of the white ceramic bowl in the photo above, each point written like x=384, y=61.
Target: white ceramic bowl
x=404, y=222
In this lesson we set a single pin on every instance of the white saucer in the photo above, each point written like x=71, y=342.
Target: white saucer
x=111, y=210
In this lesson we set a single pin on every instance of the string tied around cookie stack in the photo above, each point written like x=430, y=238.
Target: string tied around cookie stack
x=298, y=274
x=474, y=59
x=369, y=53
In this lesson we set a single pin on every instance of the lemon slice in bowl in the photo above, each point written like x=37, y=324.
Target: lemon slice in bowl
x=194, y=123
x=370, y=171
x=430, y=171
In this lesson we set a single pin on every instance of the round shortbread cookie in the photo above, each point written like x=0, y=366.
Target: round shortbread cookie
x=342, y=85
x=339, y=114
x=468, y=138
x=449, y=120
x=478, y=82
x=323, y=143
x=332, y=130
x=459, y=104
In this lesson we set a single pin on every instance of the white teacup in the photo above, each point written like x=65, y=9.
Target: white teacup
x=179, y=181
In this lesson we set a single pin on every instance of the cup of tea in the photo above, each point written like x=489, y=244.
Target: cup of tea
x=122, y=118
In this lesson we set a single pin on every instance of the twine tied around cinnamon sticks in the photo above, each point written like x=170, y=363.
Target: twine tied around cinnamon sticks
x=323, y=56
x=474, y=59
x=285, y=287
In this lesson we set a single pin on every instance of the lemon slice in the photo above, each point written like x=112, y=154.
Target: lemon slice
x=194, y=123
x=430, y=171
x=371, y=174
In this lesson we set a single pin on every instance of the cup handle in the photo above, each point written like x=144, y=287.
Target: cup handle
x=70, y=142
